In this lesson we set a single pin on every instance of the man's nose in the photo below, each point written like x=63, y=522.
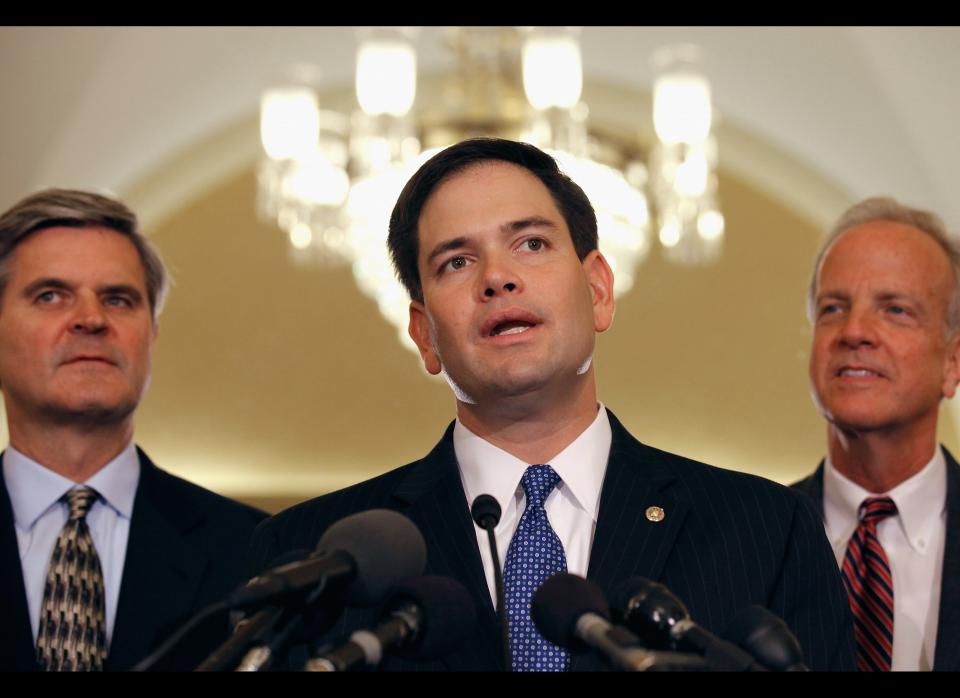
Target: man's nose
x=499, y=277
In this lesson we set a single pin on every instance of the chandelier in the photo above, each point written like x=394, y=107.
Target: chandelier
x=329, y=179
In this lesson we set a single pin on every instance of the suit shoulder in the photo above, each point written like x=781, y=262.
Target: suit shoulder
x=371, y=493
x=301, y=525
x=805, y=485
x=706, y=477
x=223, y=509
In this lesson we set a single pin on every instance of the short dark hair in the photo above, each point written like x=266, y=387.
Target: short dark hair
x=403, y=239
x=71, y=208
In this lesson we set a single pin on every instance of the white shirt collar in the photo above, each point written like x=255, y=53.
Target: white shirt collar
x=34, y=488
x=920, y=502
x=487, y=469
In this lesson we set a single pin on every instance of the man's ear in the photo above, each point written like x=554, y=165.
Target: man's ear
x=600, y=277
x=419, y=330
x=951, y=368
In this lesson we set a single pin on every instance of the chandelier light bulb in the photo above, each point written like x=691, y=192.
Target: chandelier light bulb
x=681, y=108
x=289, y=122
x=669, y=233
x=314, y=180
x=692, y=175
x=710, y=225
x=301, y=236
x=552, y=71
x=386, y=76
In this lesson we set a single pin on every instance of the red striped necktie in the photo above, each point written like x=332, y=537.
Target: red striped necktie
x=866, y=576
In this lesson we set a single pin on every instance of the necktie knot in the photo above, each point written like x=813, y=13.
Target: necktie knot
x=538, y=482
x=80, y=499
x=873, y=510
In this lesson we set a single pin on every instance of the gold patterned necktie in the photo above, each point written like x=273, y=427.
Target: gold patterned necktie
x=73, y=624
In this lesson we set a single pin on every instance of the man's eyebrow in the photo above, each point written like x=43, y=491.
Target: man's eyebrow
x=531, y=222
x=894, y=295
x=834, y=295
x=445, y=246
x=882, y=295
x=45, y=282
x=127, y=289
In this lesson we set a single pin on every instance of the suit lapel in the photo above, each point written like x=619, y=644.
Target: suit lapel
x=16, y=640
x=161, y=573
x=433, y=497
x=947, y=655
x=629, y=540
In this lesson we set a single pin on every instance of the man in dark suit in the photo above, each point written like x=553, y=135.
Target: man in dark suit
x=105, y=555
x=498, y=250
x=885, y=306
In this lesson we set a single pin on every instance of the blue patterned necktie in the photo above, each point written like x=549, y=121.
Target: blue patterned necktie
x=535, y=554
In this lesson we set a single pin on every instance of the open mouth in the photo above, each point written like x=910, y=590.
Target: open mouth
x=511, y=327
x=512, y=321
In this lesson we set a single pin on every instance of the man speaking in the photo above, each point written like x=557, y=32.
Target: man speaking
x=498, y=250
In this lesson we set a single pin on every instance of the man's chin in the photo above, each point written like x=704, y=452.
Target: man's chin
x=510, y=386
x=90, y=413
x=855, y=422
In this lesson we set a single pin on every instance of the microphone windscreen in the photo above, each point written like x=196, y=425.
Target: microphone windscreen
x=448, y=616
x=385, y=545
x=767, y=638
x=649, y=609
x=485, y=511
x=559, y=603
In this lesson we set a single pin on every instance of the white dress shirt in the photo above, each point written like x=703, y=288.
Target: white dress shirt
x=571, y=508
x=913, y=541
x=38, y=515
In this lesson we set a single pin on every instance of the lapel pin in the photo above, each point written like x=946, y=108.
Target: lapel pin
x=655, y=514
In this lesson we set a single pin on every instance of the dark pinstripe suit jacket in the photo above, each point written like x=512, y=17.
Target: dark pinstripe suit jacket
x=947, y=653
x=184, y=552
x=728, y=540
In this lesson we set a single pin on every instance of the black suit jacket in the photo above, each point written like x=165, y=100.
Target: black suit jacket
x=185, y=551
x=728, y=540
x=947, y=653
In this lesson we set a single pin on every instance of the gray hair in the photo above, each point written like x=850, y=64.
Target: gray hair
x=80, y=209
x=885, y=208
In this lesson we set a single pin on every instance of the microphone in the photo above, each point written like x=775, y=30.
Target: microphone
x=254, y=628
x=358, y=559
x=485, y=511
x=767, y=638
x=425, y=618
x=570, y=611
x=362, y=555
x=662, y=621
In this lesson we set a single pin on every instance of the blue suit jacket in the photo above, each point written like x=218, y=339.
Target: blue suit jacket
x=185, y=551
x=728, y=540
x=947, y=653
